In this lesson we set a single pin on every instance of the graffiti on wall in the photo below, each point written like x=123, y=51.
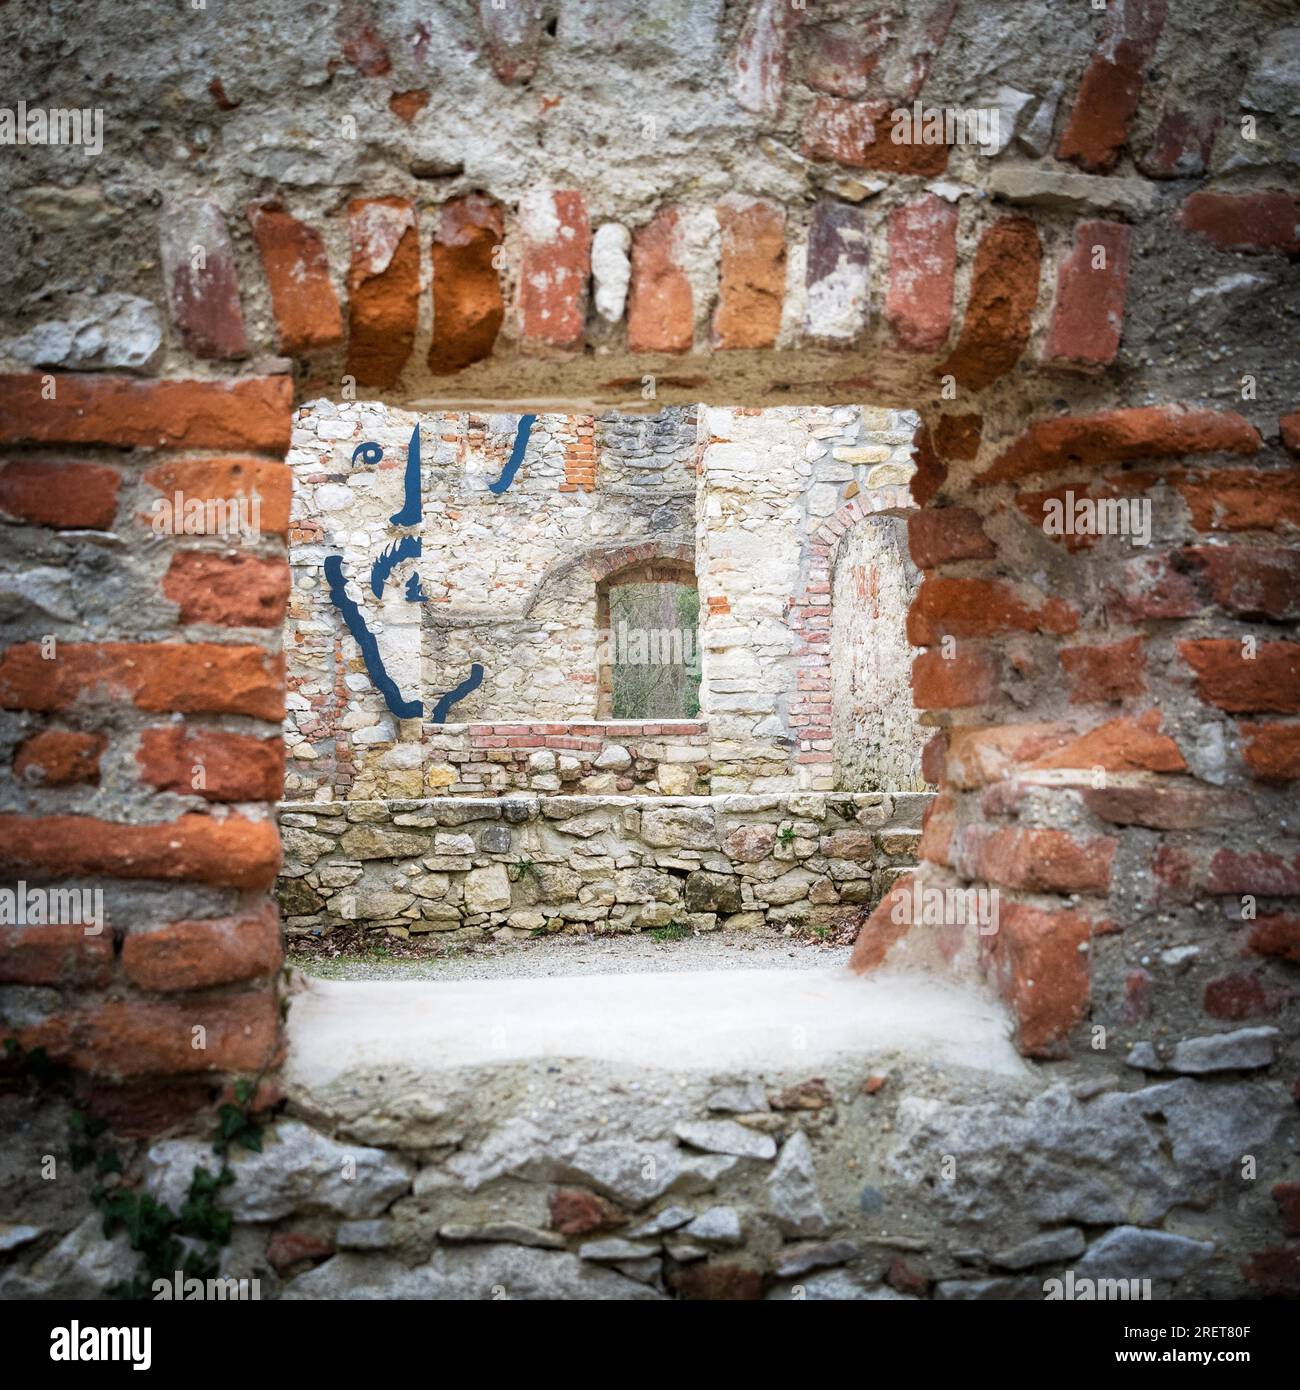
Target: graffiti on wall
x=402, y=549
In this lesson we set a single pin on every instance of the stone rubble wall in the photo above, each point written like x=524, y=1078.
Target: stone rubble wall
x=524, y=864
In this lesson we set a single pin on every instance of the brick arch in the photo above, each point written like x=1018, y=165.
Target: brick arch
x=604, y=565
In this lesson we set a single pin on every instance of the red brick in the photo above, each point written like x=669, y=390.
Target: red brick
x=1240, y=499
x=406, y=106
x=906, y=1280
x=752, y=285
x=958, y=436
x=960, y=608
x=1242, y=995
x=999, y=311
x=946, y=535
x=836, y=273
x=1277, y=935
x=1105, y=673
x=1257, y=872
x=1250, y=583
x=1160, y=806
x=1289, y=431
x=1276, y=1272
x=184, y=678
x=1120, y=745
x=554, y=269
x=968, y=678
x=934, y=757
x=1268, y=683
x=1138, y=988
x=228, y=589
x=203, y=296
x=1038, y=969
x=761, y=60
x=931, y=471
x=234, y=852
x=938, y=825
x=978, y=755
x=57, y=954
x=922, y=266
x=511, y=34
x=226, y=480
x=858, y=134
x=1155, y=586
x=1271, y=752
x=1067, y=504
x=1141, y=432
x=1182, y=144
x=575, y=1212
x=468, y=307
x=130, y=1038
x=64, y=495
x=285, y=1249
x=251, y=413
x=383, y=289
x=1287, y=1197
x=306, y=308
x=1111, y=88
x=717, y=1283
x=60, y=758
x=235, y=767
x=361, y=44
x=1244, y=221
x=196, y=955
x=660, y=307
x=1088, y=315
x=1039, y=861
x=840, y=57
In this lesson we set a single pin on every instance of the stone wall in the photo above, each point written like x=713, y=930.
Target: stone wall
x=876, y=739
x=527, y=865
x=752, y=501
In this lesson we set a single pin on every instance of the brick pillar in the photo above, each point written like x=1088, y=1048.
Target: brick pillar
x=144, y=709
x=1116, y=736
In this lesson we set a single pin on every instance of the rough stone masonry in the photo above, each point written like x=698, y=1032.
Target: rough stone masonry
x=575, y=209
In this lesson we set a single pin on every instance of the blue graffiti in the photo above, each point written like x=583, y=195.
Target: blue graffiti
x=411, y=512
x=365, y=639
x=407, y=548
x=467, y=687
x=516, y=455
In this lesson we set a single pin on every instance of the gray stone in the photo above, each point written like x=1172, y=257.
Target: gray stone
x=381, y=842
x=1025, y=183
x=706, y=892
x=483, y=1272
x=1047, y=1248
x=725, y=1137
x=1274, y=82
x=495, y=839
x=15, y=1237
x=1246, y=1049
x=817, y=1254
x=84, y=1264
x=746, y=1098
x=364, y=1235
x=987, y=1290
x=792, y=1190
x=667, y=1220
x=507, y=1232
x=716, y=1226
x=611, y=1249
x=1130, y=1252
x=114, y=330
x=679, y=826
x=298, y=1169
x=488, y=889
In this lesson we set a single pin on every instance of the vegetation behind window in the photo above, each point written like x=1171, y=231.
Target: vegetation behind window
x=654, y=640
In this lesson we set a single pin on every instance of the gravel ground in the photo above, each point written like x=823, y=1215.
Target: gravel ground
x=577, y=955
